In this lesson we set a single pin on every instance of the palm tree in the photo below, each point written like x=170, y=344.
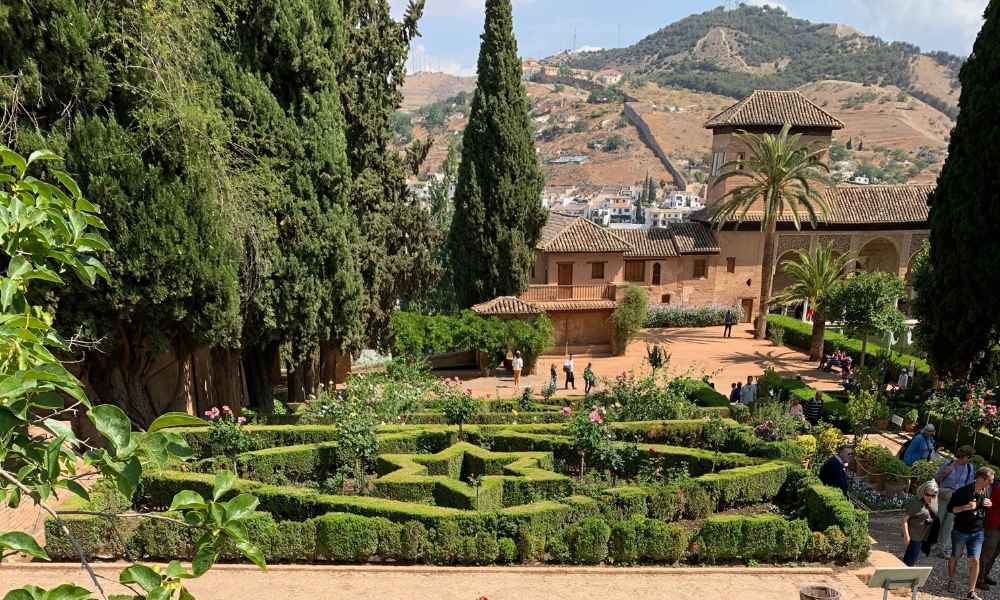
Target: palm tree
x=814, y=276
x=784, y=177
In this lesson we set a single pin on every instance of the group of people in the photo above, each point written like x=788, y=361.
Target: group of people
x=743, y=394
x=947, y=516
x=588, y=374
x=840, y=359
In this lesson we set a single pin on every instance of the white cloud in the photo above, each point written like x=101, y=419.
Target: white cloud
x=953, y=24
x=435, y=64
x=448, y=8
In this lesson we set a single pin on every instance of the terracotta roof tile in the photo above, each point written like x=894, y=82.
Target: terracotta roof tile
x=774, y=108
x=863, y=205
x=506, y=305
x=693, y=238
x=652, y=242
x=578, y=305
x=576, y=234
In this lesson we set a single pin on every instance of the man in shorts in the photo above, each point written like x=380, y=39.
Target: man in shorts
x=969, y=504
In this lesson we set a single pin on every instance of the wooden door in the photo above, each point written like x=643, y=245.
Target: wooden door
x=747, y=310
x=565, y=290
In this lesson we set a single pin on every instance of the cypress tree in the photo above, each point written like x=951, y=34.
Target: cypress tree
x=398, y=236
x=962, y=280
x=498, y=213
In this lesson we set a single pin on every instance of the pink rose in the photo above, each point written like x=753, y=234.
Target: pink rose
x=652, y=449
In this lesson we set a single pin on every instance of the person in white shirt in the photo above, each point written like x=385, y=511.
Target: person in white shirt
x=904, y=380
x=749, y=392
x=568, y=368
x=518, y=365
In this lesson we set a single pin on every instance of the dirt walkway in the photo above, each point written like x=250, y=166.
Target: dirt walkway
x=698, y=351
x=366, y=583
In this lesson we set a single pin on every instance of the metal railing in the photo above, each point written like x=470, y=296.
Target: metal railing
x=554, y=293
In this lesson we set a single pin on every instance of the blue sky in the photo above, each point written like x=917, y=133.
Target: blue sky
x=450, y=28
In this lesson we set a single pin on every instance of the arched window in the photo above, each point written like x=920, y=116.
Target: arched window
x=656, y=274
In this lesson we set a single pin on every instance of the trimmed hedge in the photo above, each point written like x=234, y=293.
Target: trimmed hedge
x=759, y=537
x=706, y=395
x=799, y=334
x=745, y=485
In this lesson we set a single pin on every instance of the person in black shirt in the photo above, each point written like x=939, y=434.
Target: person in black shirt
x=813, y=409
x=969, y=504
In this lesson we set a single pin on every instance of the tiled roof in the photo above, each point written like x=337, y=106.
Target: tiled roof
x=579, y=305
x=774, y=108
x=862, y=205
x=506, y=305
x=570, y=234
x=693, y=238
x=651, y=242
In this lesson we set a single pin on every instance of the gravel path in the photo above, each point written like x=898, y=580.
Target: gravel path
x=884, y=528
x=334, y=583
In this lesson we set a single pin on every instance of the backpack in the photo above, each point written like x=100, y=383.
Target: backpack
x=902, y=449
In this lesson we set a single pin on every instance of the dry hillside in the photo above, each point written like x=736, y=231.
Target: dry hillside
x=928, y=76
x=424, y=88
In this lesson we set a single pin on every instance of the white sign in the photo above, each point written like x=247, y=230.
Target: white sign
x=897, y=420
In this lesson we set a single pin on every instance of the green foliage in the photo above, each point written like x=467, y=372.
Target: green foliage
x=628, y=318
x=691, y=316
x=458, y=405
x=776, y=335
x=588, y=541
x=799, y=334
x=227, y=434
x=767, y=35
x=608, y=94
x=768, y=382
x=950, y=281
x=418, y=336
x=862, y=411
x=763, y=537
x=866, y=305
x=498, y=219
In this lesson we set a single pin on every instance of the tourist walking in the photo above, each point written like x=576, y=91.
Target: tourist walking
x=813, y=409
x=832, y=473
x=589, y=380
x=554, y=376
x=991, y=541
x=728, y=331
x=920, y=447
x=904, y=380
x=953, y=475
x=568, y=368
x=969, y=504
x=749, y=392
x=918, y=519
x=734, y=396
x=518, y=365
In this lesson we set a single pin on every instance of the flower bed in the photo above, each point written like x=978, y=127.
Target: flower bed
x=877, y=501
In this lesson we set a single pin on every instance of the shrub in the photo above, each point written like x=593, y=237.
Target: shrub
x=623, y=546
x=443, y=544
x=628, y=318
x=808, y=444
x=659, y=541
x=412, y=539
x=588, y=540
x=828, y=441
x=768, y=382
x=759, y=537
x=924, y=470
x=530, y=545
x=896, y=470
x=559, y=547
x=508, y=551
x=818, y=547
x=665, y=315
x=741, y=414
x=836, y=539
x=347, y=538
x=776, y=334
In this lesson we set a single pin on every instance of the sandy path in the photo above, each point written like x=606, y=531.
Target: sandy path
x=696, y=350
x=333, y=583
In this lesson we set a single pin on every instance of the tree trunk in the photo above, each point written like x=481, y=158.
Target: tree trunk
x=819, y=331
x=120, y=377
x=766, y=278
x=310, y=374
x=328, y=365
x=864, y=348
x=258, y=363
x=581, y=466
x=303, y=378
x=225, y=379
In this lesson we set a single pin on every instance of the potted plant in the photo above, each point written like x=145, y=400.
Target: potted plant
x=880, y=466
x=808, y=444
x=921, y=472
x=910, y=420
x=863, y=454
x=882, y=416
x=897, y=477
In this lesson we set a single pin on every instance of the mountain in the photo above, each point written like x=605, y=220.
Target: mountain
x=733, y=52
x=421, y=89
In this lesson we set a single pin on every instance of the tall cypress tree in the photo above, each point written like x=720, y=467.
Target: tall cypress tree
x=960, y=321
x=398, y=236
x=498, y=211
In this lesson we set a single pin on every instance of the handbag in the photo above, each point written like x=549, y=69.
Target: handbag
x=565, y=368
